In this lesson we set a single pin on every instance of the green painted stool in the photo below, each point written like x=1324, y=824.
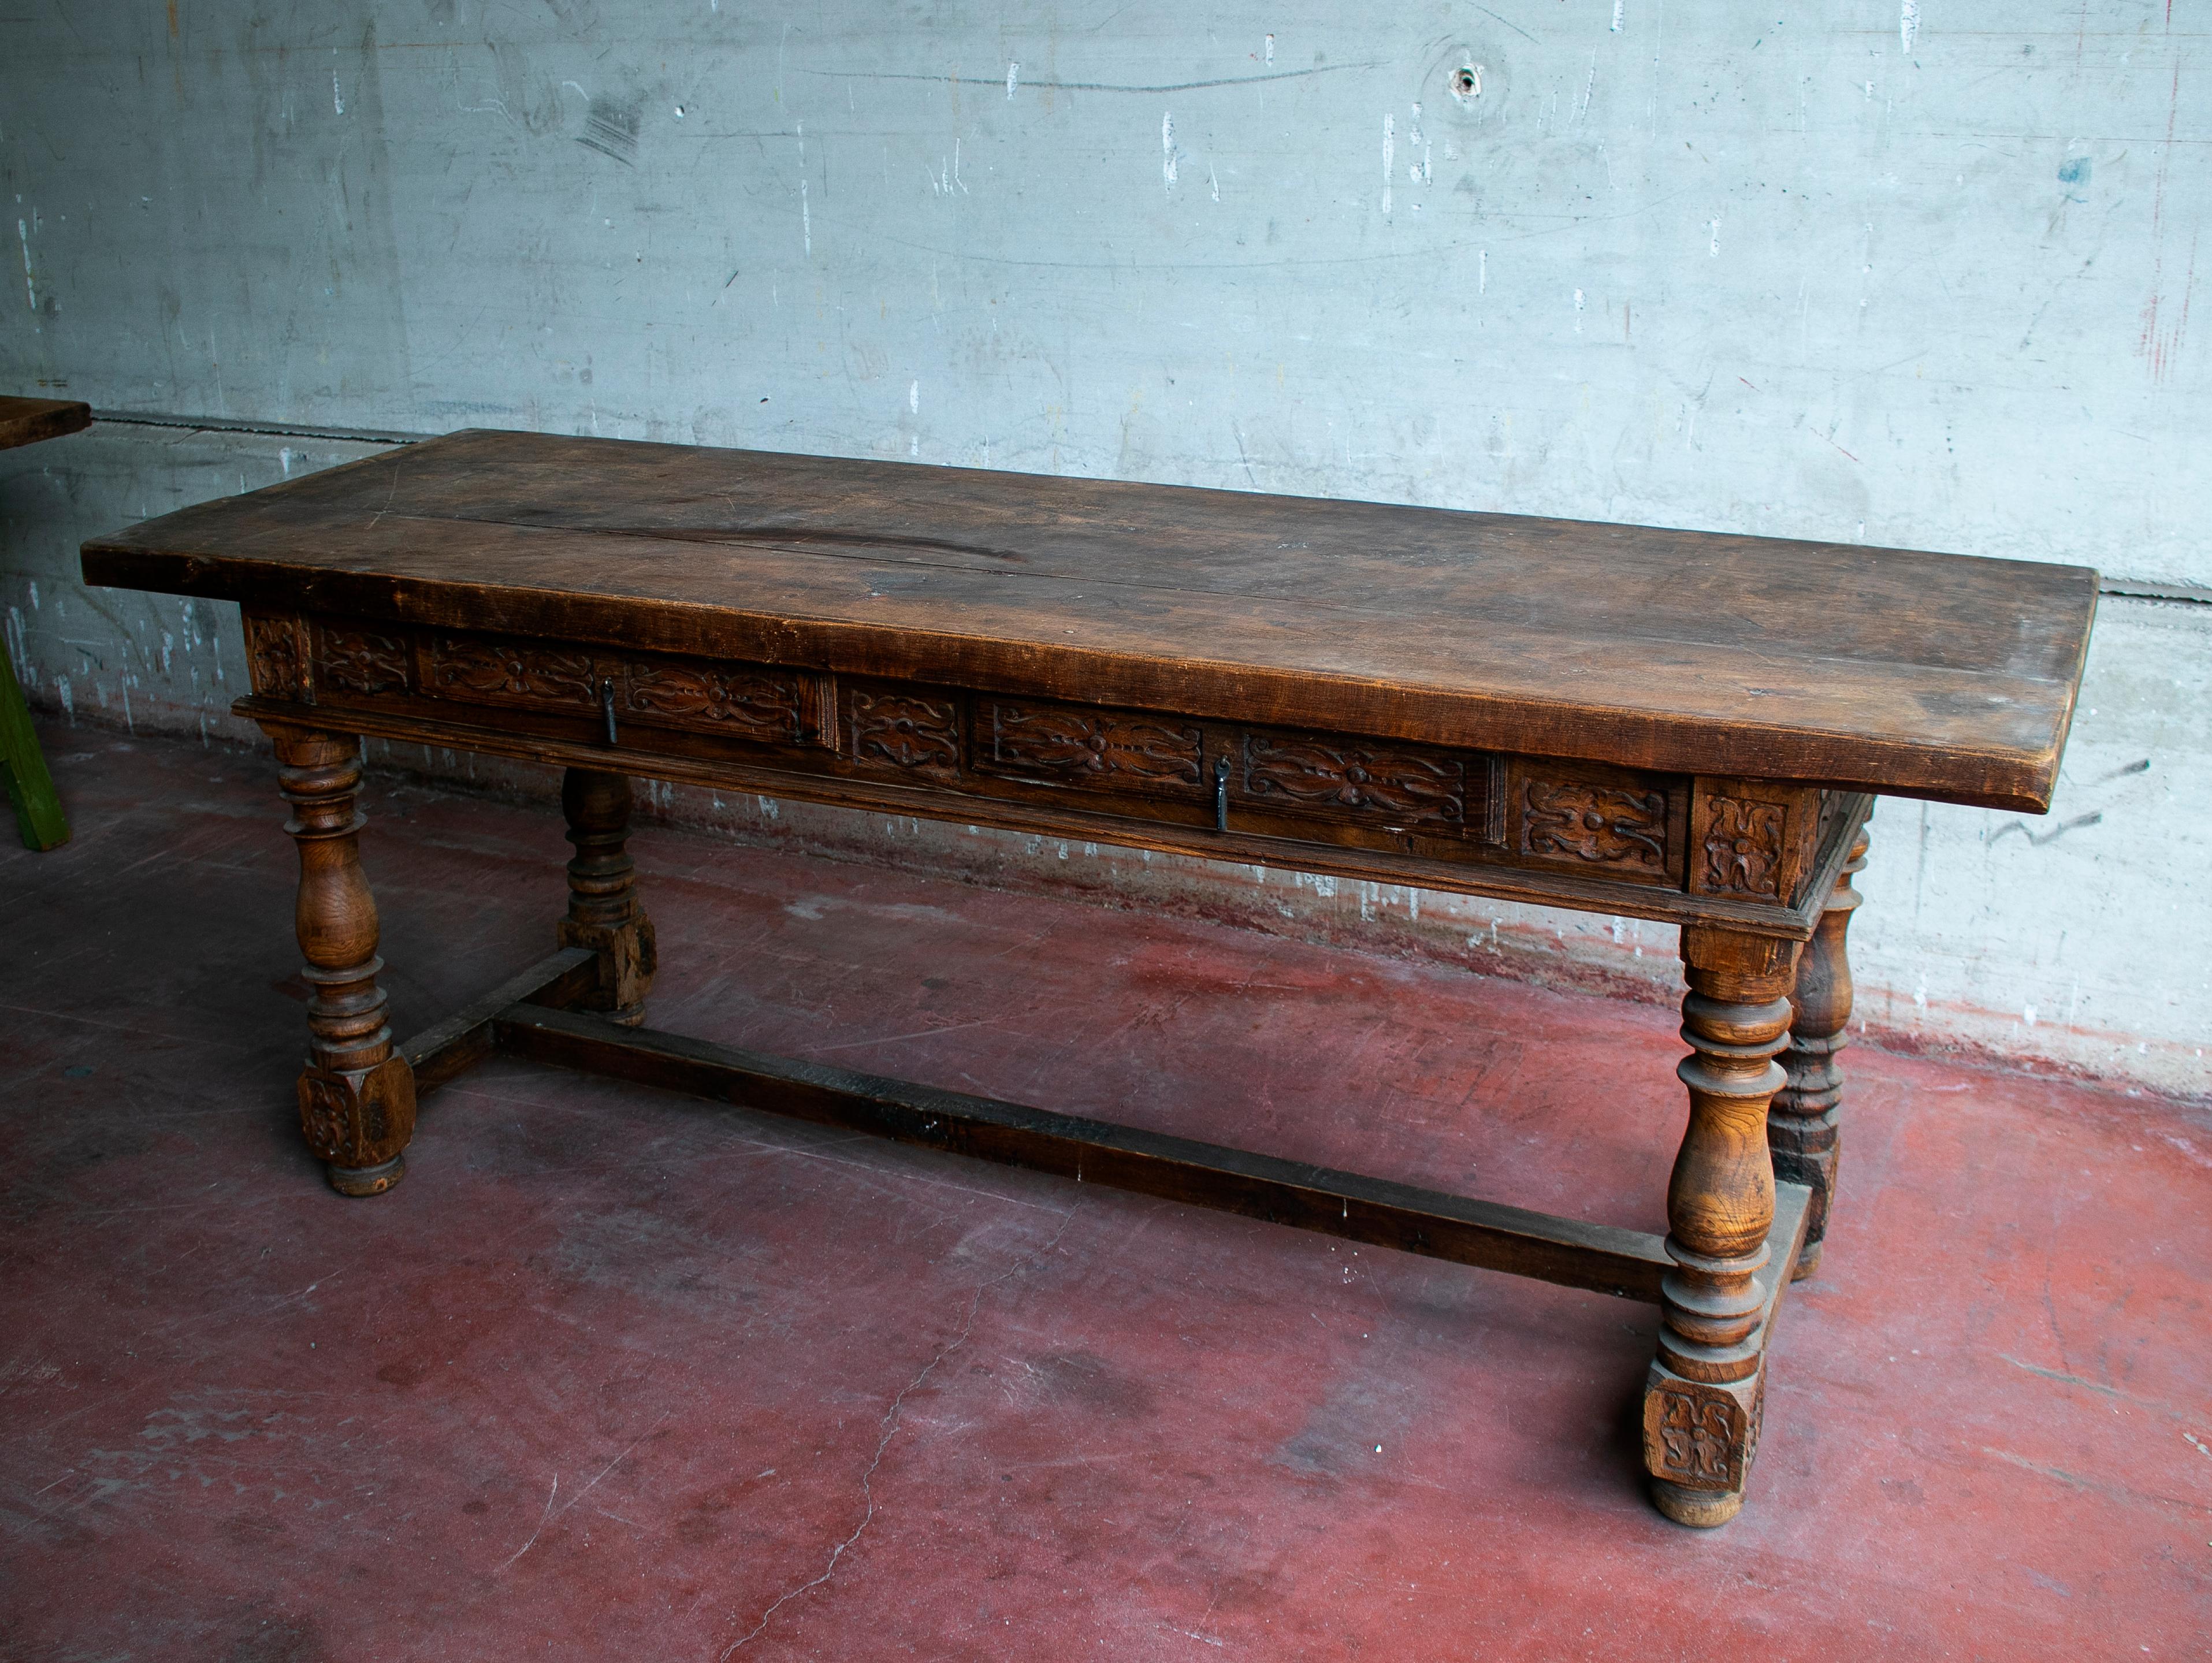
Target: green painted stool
x=30, y=787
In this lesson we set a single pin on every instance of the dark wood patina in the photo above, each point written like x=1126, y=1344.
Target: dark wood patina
x=27, y=421
x=1670, y=724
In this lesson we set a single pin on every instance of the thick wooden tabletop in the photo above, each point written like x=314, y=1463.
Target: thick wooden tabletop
x=27, y=421
x=1912, y=674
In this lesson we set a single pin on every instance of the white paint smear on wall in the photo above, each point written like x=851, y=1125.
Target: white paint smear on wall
x=1389, y=155
x=30, y=284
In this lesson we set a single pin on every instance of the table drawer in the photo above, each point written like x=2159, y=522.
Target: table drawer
x=1434, y=802
x=323, y=661
x=1175, y=781
x=1078, y=748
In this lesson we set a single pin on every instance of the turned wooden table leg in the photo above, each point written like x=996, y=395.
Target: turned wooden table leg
x=1701, y=1400
x=1801, y=1126
x=604, y=915
x=356, y=1097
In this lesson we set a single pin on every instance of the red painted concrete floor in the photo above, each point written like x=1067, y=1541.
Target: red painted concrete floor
x=615, y=1374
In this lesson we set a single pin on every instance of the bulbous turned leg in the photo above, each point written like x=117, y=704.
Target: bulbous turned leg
x=356, y=1097
x=1701, y=1400
x=1802, y=1128
x=605, y=915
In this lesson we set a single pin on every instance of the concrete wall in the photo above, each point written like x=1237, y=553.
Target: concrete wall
x=1897, y=271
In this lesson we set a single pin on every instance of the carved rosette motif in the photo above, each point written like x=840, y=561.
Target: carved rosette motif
x=1403, y=787
x=1741, y=847
x=509, y=673
x=325, y=1115
x=358, y=1119
x=1078, y=747
x=1701, y=1437
x=274, y=659
x=921, y=735
x=758, y=703
x=1601, y=824
x=361, y=661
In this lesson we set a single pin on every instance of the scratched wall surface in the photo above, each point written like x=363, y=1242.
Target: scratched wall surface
x=1888, y=271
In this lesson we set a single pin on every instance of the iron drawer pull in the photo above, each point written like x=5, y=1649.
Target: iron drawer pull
x=607, y=705
x=1221, y=793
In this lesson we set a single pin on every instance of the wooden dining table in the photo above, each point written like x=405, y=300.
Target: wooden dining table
x=1677, y=725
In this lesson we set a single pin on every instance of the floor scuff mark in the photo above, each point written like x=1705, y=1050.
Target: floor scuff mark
x=890, y=1424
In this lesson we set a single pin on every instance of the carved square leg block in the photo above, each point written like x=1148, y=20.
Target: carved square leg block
x=1700, y=1442
x=358, y=1121
x=628, y=957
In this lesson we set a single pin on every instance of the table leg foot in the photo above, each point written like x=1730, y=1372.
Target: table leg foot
x=1701, y=1510
x=605, y=915
x=1804, y=1126
x=356, y=1096
x=1700, y=1442
x=367, y=1180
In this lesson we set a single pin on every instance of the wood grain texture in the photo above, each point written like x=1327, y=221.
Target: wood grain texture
x=356, y=1093
x=1882, y=670
x=27, y=420
x=1705, y=1389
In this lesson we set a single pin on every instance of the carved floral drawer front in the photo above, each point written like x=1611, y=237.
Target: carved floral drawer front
x=915, y=733
x=752, y=701
x=481, y=670
x=309, y=660
x=1378, y=786
x=760, y=702
x=1249, y=780
x=1088, y=749
x=349, y=660
x=1608, y=822
x=1361, y=782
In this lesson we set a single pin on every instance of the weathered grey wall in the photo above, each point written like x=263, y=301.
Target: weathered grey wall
x=1912, y=271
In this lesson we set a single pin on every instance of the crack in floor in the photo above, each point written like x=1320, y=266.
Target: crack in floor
x=890, y=1425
